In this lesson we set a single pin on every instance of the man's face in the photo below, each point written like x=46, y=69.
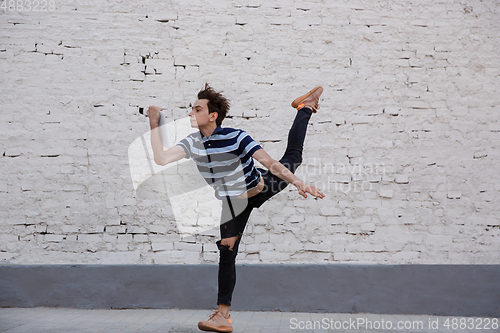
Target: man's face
x=199, y=115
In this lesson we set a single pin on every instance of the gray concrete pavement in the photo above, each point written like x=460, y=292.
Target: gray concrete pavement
x=17, y=320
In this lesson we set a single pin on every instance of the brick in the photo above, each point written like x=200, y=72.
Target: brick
x=136, y=230
x=124, y=239
x=369, y=227
x=53, y=238
x=273, y=256
x=493, y=221
x=158, y=229
x=181, y=246
x=339, y=178
x=157, y=246
x=6, y=238
x=43, y=48
x=164, y=16
x=341, y=256
x=402, y=179
x=211, y=257
x=116, y=229
x=90, y=238
x=415, y=104
x=454, y=194
x=140, y=238
x=12, y=152
x=386, y=193
x=331, y=211
x=185, y=61
x=407, y=256
x=361, y=119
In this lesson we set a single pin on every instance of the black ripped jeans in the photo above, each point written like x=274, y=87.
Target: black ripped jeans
x=236, y=211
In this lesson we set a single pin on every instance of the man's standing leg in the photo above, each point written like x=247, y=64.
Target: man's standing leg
x=231, y=230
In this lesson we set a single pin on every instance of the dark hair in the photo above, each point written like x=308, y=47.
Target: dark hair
x=216, y=102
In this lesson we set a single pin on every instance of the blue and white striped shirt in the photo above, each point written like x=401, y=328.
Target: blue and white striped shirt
x=224, y=160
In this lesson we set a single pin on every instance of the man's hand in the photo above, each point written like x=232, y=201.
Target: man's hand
x=305, y=188
x=282, y=172
x=153, y=113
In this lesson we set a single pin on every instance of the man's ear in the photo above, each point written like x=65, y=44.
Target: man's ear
x=213, y=116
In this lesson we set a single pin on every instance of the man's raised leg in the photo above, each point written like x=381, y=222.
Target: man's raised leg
x=306, y=105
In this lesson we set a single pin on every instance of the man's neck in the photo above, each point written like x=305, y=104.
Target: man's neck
x=208, y=130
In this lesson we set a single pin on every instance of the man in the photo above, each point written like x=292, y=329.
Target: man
x=224, y=157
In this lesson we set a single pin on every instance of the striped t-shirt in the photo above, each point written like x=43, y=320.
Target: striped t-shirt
x=224, y=160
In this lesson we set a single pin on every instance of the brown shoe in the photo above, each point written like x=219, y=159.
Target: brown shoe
x=216, y=323
x=310, y=99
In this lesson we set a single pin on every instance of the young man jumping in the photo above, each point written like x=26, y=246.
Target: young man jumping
x=224, y=157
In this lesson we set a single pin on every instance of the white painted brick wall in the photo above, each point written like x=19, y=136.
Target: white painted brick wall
x=405, y=144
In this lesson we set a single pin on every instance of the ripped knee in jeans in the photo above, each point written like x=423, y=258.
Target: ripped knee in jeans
x=227, y=243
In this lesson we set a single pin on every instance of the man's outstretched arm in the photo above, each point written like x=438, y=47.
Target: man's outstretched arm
x=162, y=157
x=281, y=171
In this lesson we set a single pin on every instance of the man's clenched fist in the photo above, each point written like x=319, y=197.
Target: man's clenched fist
x=153, y=113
